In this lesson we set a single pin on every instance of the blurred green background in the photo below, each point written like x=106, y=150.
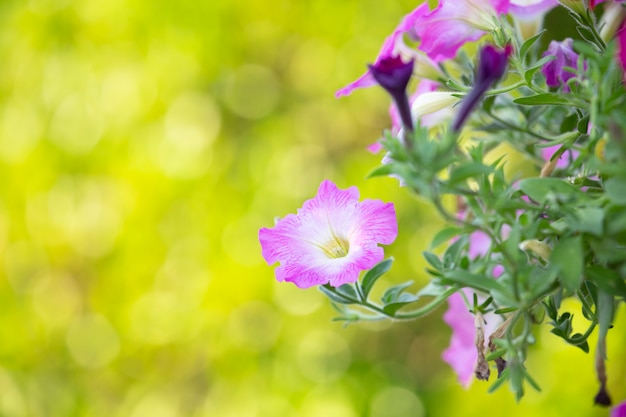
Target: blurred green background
x=142, y=146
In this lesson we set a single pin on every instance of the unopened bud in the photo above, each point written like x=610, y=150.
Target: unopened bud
x=537, y=247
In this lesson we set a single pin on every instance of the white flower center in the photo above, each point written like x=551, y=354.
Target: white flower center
x=336, y=247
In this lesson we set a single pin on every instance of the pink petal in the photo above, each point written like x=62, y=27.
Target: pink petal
x=388, y=50
x=461, y=355
x=453, y=23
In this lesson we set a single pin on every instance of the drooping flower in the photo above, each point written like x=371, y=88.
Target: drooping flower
x=462, y=353
x=331, y=239
x=619, y=410
x=555, y=71
x=453, y=23
x=394, y=75
x=492, y=63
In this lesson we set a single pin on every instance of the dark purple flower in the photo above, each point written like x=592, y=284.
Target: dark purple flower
x=491, y=67
x=394, y=75
x=554, y=71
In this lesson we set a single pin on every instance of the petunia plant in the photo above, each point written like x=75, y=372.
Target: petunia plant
x=465, y=78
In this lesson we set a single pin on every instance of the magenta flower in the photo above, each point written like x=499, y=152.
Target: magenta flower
x=331, y=239
x=394, y=75
x=619, y=410
x=453, y=23
x=554, y=71
x=492, y=64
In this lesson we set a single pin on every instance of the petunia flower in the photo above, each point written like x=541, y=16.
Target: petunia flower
x=619, y=410
x=492, y=63
x=555, y=71
x=394, y=75
x=461, y=354
x=331, y=239
x=453, y=23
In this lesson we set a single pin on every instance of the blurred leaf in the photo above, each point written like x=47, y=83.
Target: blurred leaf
x=568, y=260
x=470, y=170
x=544, y=99
x=479, y=282
x=433, y=260
x=444, y=235
x=392, y=294
x=616, y=190
x=371, y=276
x=542, y=189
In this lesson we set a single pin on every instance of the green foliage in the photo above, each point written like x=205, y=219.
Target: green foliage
x=556, y=232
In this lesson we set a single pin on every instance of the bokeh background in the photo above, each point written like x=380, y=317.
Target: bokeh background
x=142, y=146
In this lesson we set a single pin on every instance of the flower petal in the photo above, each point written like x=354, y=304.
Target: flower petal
x=331, y=239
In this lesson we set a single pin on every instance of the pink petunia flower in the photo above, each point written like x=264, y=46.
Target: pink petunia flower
x=461, y=354
x=555, y=70
x=453, y=23
x=331, y=239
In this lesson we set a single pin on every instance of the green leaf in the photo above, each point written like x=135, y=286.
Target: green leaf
x=530, y=72
x=607, y=280
x=348, y=291
x=578, y=340
x=480, y=282
x=331, y=293
x=444, y=235
x=545, y=99
x=433, y=260
x=542, y=189
x=498, y=382
x=588, y=220
x=393, y=293
x=470, y=170
x=403, y=300
x=387, y=169
x=616, y=190
x=371, y=276
x=453, y=253
x=529, y=43
x=568, y=259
